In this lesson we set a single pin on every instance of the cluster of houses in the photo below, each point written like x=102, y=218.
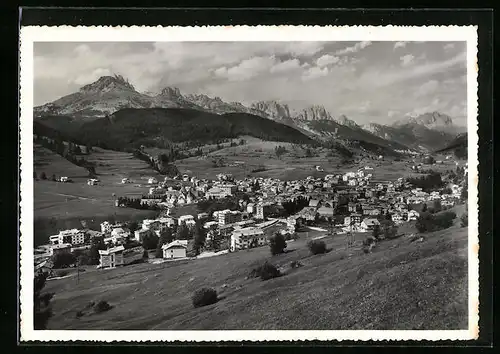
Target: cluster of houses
x=351, y=202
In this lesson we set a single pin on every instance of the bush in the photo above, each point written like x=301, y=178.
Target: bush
x=316, y=246
x=102, y=306
x=204, y=297
x=265, y=272
x=63, y=260
x=427, y=222
x=464, y=220
x=62, y=273
x=277, y=243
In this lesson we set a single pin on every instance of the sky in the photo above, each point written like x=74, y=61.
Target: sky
x=379, y=82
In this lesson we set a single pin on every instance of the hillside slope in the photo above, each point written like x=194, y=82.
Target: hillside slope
x=400, y=286
x=413, y=135
x=129, y=128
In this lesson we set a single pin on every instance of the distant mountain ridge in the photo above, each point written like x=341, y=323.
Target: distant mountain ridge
x=111, y=94
x=426, y=132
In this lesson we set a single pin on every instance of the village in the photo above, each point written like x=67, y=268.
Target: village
x=242, y=214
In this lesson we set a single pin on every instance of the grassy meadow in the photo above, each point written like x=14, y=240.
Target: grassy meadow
x=63, y=205
x=400, y=285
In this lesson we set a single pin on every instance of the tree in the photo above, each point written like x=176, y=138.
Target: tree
x=464, y=195
x=43, y=176
x=376, y=231
x=165, y=237
x=388, y=228
x=35, y=175
x=53, y=178
x=149, y=241
x=436, y=205
x=279, y=151
x=199, y=237
x=41, y=303
x=182, y=232
x=277, y=243
x=63, y=260
x=464, y=219
x=424, y=208
x=97, y=245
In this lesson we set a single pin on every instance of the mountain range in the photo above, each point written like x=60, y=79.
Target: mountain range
x=110, y=94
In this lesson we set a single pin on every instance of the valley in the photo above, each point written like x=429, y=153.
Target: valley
x=142, y=200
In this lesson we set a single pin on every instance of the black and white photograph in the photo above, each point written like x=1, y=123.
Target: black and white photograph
x=318, y=186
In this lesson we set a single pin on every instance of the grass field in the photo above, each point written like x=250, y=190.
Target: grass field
x=63, y=205
x=400, y=285
x=241, y=160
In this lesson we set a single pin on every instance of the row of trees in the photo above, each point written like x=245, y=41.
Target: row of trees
x=135, y=203
x=294, y=206
x=428, y=182
x=428, y=222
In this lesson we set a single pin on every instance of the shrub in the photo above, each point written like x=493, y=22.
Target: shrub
x=268, y=271
x=427, y=222
x=102, y=306
x=79, y=314
x=316, y=246
x=204, y=297
x=62, y=273
x=63, y=260
x=464, y=220
x=277, y=243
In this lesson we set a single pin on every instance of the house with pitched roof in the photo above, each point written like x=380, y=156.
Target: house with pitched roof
x=175, y=249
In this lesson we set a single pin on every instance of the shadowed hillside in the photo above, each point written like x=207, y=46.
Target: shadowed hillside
x=129, y=128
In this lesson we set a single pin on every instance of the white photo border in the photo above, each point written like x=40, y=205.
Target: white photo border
x=31, y=34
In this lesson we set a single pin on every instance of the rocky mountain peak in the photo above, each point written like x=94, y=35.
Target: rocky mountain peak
x=171, y=92
x=108, y=83
x=314, y=112
x=272, y=108
x=432, y=119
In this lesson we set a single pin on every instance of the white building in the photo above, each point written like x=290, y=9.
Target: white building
x=73, y=237
x=413, y=215
x=244, y=238
x=369, y=224
x=111, y=257
x=187, y=220
x=119, y=235
x=175, y=249
x=92, y=181
x=149, y=224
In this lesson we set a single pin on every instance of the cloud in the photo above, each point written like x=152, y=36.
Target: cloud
x=297, y=73
x=285, y=66
x=427, y=88
x=392, y=113
x=448, y=47
x=406, y=59
x=400, y=45
x=364, y=106
x=314, y=73
x=327, y=59
x=247, y=69
x=353, y=49
x=84, y=79
x=82, y=50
